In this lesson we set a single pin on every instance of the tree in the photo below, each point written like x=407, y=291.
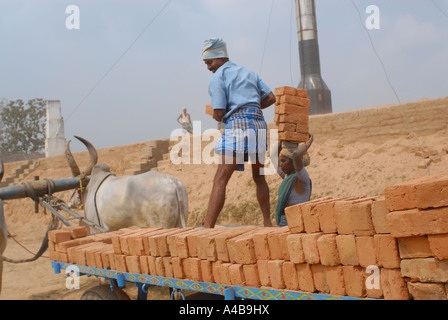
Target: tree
x=22, y=126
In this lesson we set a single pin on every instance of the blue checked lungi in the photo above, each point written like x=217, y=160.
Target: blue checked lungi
x=244, y=136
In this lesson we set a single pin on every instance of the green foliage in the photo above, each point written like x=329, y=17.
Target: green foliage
x=22, y=126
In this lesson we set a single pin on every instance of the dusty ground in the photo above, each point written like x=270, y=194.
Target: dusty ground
x=339, y=167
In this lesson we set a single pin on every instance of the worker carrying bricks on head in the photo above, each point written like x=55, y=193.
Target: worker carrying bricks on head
x=296, y=186
x=238, y=96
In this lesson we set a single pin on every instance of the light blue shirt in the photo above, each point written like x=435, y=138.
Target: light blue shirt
x=233, y=87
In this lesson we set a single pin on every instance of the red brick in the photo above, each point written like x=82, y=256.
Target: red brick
x=327, y=218
x=379, y=214
x=237, y=275
x=425, y=269
x=280, y=91
x=133, y=264
x=310, y=249
x=328, y=250
x=79, y=231
x=365, y=249
x=386, y=250
x=158, y=243
x=251, y=275
x=160, y=267
x=373, y=282
x=216, y=269
x=284, y=246
x=416, y=222
x=295, y=100
x=224, y=274
x=343, y=217
x=320, y=278
x=305, y=277
x=427, y=291
x=207, y=248
x=243, y=249
x=195, y=267
x=276, y=274
x=432, y=193
x=58, y=236
x=123, y=238
x=274, y=243
x=222, y=238
x=105, y=261
x=414, y=247
x=144, y=264
x=263, y=272
x=424, y=192
x=438, y=244
x=178, y=271
x=290, y=276
x=335, y=280
x=152, y=265
x=294, y=218
x=207, y=271
x=354, y=281
x=168, y=265
x=347, y=250
x=310, y=218
x=182, y=247
x=261, y=243
x=393, y=285
x=172, y=238
x=193, y=240
x=287, y=127
x=293, y=136
x=362, y=218
x=294, y=243
x=120, y=263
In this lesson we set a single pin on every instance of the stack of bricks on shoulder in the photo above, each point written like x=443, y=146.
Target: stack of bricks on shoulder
x=392, y=246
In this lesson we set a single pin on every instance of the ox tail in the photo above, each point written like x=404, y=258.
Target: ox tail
x=182, y=204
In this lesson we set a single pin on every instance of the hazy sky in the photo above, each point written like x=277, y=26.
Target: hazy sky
x=119, y=85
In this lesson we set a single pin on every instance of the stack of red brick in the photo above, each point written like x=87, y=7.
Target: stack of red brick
x=391, y=247
x=418, y=219
x=291, y=114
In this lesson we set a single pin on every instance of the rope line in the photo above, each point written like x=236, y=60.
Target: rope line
x=119, y=58
x=440, y=9
x=408, y=126
x=266, y=37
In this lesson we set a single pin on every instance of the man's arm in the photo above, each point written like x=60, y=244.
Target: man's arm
x=218, y=114
x=268, y=101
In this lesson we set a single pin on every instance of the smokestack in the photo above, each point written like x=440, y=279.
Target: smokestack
x=311, y=78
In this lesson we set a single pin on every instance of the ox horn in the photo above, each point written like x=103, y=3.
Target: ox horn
x=72, y=163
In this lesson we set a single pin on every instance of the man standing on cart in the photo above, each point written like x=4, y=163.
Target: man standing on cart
x=238, y=96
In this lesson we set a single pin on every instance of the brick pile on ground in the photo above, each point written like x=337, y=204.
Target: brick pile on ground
x=329, y=246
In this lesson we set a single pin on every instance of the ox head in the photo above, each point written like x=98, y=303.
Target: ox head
x=72, y=163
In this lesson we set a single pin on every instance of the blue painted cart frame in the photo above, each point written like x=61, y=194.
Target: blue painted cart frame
x=229, y=292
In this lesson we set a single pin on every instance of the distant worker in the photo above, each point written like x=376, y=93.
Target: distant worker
x=238, y=96
x=296, y=186
x=185, y=121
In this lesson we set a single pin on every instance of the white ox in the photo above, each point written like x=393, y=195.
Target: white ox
x=3, y=230
x=150, y=199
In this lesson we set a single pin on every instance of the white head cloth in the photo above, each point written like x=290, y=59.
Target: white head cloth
x=214, y=48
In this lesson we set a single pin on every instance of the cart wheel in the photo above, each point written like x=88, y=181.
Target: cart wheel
x=104, y=293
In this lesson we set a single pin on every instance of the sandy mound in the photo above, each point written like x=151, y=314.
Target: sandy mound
x=354, y=153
